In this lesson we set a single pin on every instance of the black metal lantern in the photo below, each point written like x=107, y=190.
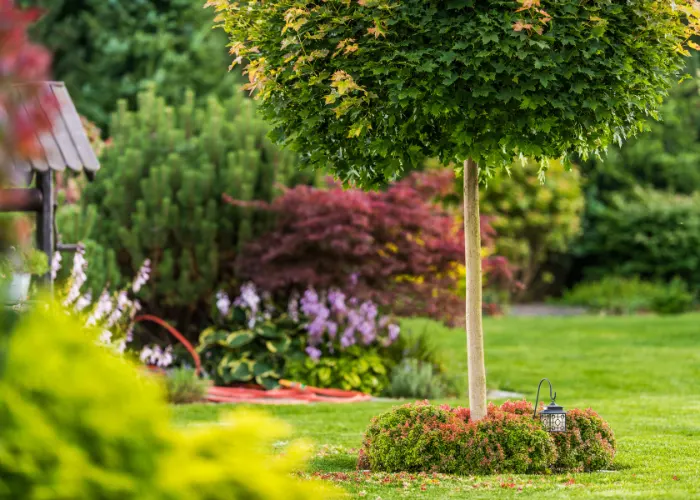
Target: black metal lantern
x=553, y=417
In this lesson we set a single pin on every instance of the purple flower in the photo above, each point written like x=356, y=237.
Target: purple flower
x=250, y=301
x=309, y=303
x=394, y=331
x=55, y=265
x=367, y=331
x=353, y=279
x=223, y=302
x=369, y=310
x=316, y=328
x=336, y=299
x=348, y=338
x=142, y=276
x=77, y=276
x=332, y=329
x=293, y=307
x=83, y=301
x=383, y=321
x=313, y=353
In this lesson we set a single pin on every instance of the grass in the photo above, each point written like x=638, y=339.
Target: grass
x=642, y=374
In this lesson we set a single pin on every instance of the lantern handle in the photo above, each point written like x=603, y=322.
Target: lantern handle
x=553, y=396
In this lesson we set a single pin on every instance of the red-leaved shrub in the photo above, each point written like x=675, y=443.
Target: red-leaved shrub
x=421, y=437
x=396, y=247
x=424, y=438
x=415, y=438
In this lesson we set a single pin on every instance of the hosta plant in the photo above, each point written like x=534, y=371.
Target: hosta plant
x=253, y=340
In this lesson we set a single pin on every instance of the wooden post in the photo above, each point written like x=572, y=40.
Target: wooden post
x=45, y=222
x=475, y=333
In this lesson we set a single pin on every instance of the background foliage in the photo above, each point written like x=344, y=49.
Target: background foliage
x=107, y=51
x=648, y=233
x=159, y=196
x=533, y=221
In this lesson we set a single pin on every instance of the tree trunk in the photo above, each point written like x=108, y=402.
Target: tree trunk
x=475, y=333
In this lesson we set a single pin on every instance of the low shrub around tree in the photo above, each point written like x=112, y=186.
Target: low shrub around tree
x=425, y=438
x=587, y=445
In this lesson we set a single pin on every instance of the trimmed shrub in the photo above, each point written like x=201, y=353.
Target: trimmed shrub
x=78, y=422
x=183, y=386
x=420, y=437
x=615, y=295
x=424, y=438
x=416, y=437
x=508, y=442
x=587, y=445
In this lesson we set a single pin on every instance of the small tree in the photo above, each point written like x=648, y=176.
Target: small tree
x=369, y=87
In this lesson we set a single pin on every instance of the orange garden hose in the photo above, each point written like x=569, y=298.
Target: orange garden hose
x=291, y=391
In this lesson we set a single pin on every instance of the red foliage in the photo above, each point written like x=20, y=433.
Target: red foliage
x=22, y=66
x=422, y=437
x=401, y=246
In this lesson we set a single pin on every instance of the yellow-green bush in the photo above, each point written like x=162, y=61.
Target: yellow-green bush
x=533, y=220
x=78, y=422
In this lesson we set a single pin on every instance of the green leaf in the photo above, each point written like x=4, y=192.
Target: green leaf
x=278, y=346
x=267, y=382
x=239, y=339
x=270, y=331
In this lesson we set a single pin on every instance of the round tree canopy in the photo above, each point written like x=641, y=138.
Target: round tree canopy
x=368, y=87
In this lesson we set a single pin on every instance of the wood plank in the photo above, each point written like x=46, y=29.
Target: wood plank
x=45, y=223
x=39, y=161
x=63, y=139
x=75, y=127
x=52, y=154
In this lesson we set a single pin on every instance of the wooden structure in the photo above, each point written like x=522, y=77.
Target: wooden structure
x=64, y=145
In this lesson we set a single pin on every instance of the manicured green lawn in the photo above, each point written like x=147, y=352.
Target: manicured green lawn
x=642, y=374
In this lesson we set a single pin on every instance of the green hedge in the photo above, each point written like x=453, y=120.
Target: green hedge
x=651, y=234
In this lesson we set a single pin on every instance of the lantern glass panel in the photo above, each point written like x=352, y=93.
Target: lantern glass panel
x=554, y=422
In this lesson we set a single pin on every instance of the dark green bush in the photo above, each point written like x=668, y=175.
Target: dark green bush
x=673, y=298
x=648, y=233
x=587, y=445
x=615, y=295
x=106, y=51
x=420, y=437
x=184, y=386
